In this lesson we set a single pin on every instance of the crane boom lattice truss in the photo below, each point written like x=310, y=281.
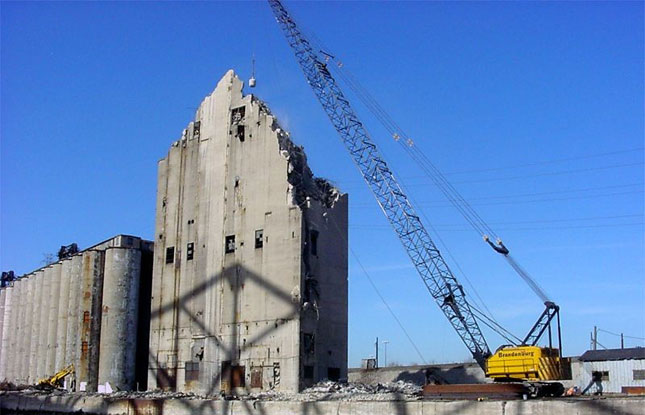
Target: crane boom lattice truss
x=435, y=273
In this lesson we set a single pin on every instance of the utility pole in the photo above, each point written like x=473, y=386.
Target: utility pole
x=385, y=342
x=377, y=352
x=622, y=341
x=595, y=338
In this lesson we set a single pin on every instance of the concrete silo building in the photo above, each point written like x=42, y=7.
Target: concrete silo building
x=90, y=310
x=250, y=263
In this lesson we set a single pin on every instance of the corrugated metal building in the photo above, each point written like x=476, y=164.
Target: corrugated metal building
x=619, y=367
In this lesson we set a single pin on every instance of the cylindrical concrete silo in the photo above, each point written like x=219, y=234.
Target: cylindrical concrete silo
x=44, y=323
x=29, y=319
x=35, y=326
x=73, y=316
x=3, y=299
x=119, y=318
x=87, y=363
x=52, y=344
x=16, y=343
x=7, y=330
x=63, y=307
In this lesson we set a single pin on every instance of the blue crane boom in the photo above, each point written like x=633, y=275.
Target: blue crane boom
x=435, y=273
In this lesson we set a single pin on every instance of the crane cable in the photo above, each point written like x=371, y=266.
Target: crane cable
x=495, y=326
x=432, y=172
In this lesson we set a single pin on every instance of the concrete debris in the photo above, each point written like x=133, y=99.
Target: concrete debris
x=322, y=391
x=328, y=390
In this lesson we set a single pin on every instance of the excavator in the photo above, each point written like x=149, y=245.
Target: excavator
x=56, y=380
x=523, y=363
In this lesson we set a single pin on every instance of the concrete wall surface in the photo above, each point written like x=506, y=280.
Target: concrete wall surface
x=11, y=403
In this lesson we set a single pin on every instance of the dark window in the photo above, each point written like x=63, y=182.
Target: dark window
x=256, y=377
x=166, y=379
x=639, y=374
x=237, y=114
x=230, y=244
x=196, y=128
x=333, y=374
x=192, y=371
x=314, y=242
x=308, y=372
x=240, y=132
x=190, y=250
x=237, y=376
x=259, y=241
x=605, y=375
x=170, y=255
x=308, y=343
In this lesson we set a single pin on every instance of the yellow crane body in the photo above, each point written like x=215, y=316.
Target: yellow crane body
x=525, y=362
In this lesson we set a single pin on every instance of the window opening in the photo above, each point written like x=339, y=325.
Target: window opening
x=237, y=115
x=230, y=244
x=190, y=250
x=240, y=133
x=308, y=343
x=333, y=374
x=170, y=255
x=259, y=241
x=314, y=242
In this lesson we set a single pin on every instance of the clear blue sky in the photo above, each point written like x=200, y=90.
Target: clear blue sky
x=533, y=110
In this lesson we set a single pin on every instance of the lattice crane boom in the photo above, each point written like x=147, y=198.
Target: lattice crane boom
x=435, y=273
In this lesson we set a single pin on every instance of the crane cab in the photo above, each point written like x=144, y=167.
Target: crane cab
x=525, y=362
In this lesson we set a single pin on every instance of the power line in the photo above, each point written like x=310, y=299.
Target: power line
x=554, y=173
x=586, y=189
x=621, y=335
x=515, y=202
x=540, y=163
x=526, y=176
x=638, y=215
x=616, y=225
x=378, y=293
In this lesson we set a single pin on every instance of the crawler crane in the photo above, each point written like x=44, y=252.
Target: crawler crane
x=522, y=361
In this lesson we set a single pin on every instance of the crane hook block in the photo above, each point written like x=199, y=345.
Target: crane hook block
x=499, y=248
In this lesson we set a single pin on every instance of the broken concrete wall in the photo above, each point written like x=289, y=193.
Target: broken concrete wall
x=229, y=273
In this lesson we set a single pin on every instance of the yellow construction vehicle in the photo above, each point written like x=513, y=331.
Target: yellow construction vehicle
x=56, y=380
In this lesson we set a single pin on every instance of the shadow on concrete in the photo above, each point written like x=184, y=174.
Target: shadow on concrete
x=236, y=277
x=601, y=405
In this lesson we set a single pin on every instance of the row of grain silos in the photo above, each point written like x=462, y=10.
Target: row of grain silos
x=82, y=311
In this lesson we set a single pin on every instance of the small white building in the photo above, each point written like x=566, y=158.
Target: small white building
x=619, y=367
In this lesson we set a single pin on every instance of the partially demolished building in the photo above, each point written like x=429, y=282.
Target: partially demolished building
x=250, y=259
x=90, y=310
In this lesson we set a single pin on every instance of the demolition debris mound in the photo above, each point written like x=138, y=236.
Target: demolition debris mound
x=328, y=390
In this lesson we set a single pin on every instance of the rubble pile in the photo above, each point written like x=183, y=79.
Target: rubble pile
x=328, y=390
x=325, y=390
